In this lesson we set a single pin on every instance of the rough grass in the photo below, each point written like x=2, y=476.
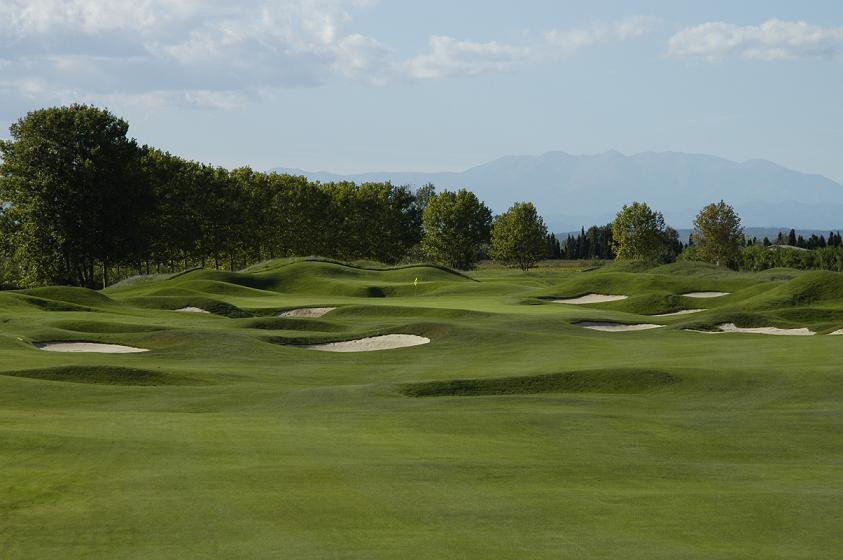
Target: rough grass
x=103, y=327
x=103, y=375
x=292, y=324
x=597, y=381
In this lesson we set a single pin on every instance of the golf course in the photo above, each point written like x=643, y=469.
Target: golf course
x=476, y=414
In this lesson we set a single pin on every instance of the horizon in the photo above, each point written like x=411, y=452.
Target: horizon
x=542, y=154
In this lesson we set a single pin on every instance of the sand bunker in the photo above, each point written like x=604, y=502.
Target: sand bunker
x=88, y=347
x=681, y=312
x=838, y=331
x=193, y=310
x=731, y=327
x=307, y=312
x=616, y=327
x=590, y=298
x=371, y=344
x=705, y=295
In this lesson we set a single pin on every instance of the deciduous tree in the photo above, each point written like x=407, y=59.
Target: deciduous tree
x=455, y=226
x=519, y=237
x=638, y=233
x=71, y=176
x=718, y=234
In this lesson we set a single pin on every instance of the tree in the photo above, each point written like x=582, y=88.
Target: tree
x=372, y=221
x=423, y=195
x=638, y=233
x=71, y=177
x=718, y=233
x=672, y=245
x=173, y=229
x=455, y=225
x=554, y=248
x=519, y=237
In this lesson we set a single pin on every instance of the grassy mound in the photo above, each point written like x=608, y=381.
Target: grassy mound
x=103, y=375
x=81, y=297
x=329, y=278
x=597, y=381
x=172, y=303
x=292, y=324
x=691, y=268
x=103, y=327
x=390, y=311
x=811, y=288
x=640, y=284
x=320, y=277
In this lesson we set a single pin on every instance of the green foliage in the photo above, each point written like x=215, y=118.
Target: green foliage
x=718, y=234
x=80, y=201
x=456, y=224
x=519, y=237
x=594, y=243
x=375, y=221
x=71, y=179
x=639, y=233
x=756, y=258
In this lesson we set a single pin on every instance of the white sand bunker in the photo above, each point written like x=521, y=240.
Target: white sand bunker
x=371, y=344
x=88, y=347
x=731, y=327
x=705, y=295
x=307, y=312
x=837, y=332
x=193, y=310
x=680, y=312
x=616, y=327
x=590, y=298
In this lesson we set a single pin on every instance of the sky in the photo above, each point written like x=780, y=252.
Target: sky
x=380, y=85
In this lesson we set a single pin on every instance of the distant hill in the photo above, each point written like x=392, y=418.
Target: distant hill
x=573, y=191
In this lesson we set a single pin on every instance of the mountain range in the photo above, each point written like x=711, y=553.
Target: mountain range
x=571, y=191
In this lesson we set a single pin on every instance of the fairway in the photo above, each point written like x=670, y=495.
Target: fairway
x=515, y=432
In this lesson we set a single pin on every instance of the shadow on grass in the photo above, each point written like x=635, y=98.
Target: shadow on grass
x=105, y=375
x=591, y=381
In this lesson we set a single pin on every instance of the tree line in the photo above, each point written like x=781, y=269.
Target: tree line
x=82, y=203
x=80, y=200
x=791, y=239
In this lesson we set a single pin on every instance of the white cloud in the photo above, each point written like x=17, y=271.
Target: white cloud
x=364, y=58
x=161, y=50
x=570, y=40
x=21, y=18
x=449, y=57
x=772, y=40
x=218, y=53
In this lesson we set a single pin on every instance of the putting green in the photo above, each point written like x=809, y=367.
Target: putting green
x=514, y=433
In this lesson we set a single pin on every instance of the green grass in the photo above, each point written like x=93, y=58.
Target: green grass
x=108, y=375
x=534, y=438
x=614, y=381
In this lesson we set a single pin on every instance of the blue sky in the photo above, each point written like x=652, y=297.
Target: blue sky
x=364, y=85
